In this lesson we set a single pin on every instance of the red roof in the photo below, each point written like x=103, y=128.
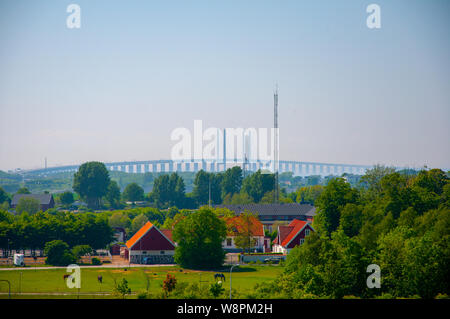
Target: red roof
x=297, y=227
x=167, y=233
x=287, y=233
x=141, y=232
x=235, y=224
x=283, y=232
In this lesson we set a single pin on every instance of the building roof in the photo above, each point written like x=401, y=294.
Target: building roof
x=281, y=209
x=297, y=226
x=141, y=232
x=283, y=232
x=167, y=233
x=235, y=224
x=287, y=233
x=44, y=199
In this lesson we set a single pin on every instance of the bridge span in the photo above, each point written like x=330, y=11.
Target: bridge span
x=169, y=166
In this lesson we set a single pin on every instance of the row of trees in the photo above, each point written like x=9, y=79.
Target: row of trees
x=26, y=231
x=397, y=221
x=92, y=183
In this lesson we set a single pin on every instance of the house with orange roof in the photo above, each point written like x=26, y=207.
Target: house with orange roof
x=236, y=225
x=291, y=235
x=151, y=246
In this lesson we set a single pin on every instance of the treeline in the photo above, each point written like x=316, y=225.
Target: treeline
x=26, y=231
x=396, y=221
x=93, y=184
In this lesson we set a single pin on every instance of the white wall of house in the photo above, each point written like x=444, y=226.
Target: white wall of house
x=279, y=249
x=151, y=252
x=258, y=245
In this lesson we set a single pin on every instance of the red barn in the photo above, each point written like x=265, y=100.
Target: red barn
x=151, y=246
x=290, y=236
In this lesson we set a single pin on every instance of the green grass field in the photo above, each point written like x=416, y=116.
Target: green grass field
x=52, y=282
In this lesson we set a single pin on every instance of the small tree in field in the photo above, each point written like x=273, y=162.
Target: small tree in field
x=122, y=288
x=169, y=284
x=216, y=289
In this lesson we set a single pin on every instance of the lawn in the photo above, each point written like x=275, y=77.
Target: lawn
x=51, y=281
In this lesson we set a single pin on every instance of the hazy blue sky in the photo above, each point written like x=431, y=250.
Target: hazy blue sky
x=116, y=88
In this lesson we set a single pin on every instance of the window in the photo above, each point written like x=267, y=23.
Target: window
x=307, y=230
x=162, y=252
x=302, y=240
x=228, y=241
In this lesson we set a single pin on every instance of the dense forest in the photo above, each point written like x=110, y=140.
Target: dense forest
x=396, y=221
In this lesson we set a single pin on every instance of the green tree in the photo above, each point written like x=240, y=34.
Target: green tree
x=257, y=184
x=309, y=194
x=133, y=193
x=29, y=205
x=91, y=182
x=206, y=184
x=371, y=180
x=58, y=253
x=216, y=290
x=81, y=250
x=66, y=198
x=330, y=203
x=199, y=236
x=168, y=190
x=23, y=190
x=138, y=222
x=232, y=181
x=120, y=219
x=237, y=199
x=113, y=194
x=3, y=196
x=351, y=219
x=122, y=288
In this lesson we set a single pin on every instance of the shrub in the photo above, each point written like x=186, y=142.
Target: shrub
x=216, y=289
x=169, y=283
x=58, y=253
x=122, y=289
x=142, y=295
x=96, y=261
x=81, y=250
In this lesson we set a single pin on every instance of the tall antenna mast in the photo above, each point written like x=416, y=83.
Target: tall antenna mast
x=275, y=160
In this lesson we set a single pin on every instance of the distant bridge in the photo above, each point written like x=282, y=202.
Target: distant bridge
x=169, y=166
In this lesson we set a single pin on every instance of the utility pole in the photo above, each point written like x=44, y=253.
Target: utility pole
x=275, y=160
x=231, y=269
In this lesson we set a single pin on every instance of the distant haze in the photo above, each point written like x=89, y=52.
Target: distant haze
x=115, y=89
